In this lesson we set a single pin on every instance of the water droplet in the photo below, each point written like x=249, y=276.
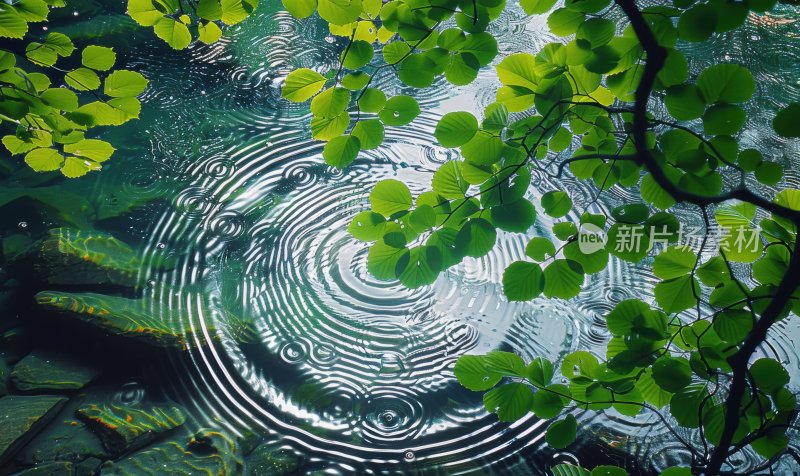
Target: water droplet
x=409, y=455
x=23, y=224
x=396, y=114
x=151, y=283
x=161, y=246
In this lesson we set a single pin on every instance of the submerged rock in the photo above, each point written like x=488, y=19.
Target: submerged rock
x=123, y=428
x=63, y=468
x=45, y=371
x=269, y=459
x=135, y=319
x=70, y=256
x=206, y=452
x=121, y=316
x=22, y=417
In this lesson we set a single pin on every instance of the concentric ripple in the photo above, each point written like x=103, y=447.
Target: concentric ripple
x=289, y=335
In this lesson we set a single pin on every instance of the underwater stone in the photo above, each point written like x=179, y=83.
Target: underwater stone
x=70, y=256
x=120, y=316
x=123, y=428
x=5, y=370
x=65, y=439
x=21, y=417
x=134, y=319
x=269, y=459
x=206, y=452
x=45, y=371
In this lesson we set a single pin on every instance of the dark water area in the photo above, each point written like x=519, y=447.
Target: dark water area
x=246, y=335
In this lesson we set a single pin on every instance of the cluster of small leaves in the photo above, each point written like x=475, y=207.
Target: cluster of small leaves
x=352, y=114
x=48, y=122
x=569, y=107
x=178, y=23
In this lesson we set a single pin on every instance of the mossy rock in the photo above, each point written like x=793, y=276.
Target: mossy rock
x=205, y=452
x=133, y=318
x=70, y=256
x=124, y=428
x=65, y=439
x=45, y=371
x=269, y=459
x=23, y=417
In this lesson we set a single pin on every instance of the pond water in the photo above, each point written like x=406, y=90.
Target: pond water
x=238, y=223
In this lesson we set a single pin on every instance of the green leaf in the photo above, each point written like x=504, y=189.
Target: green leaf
x=632, y=213
x=60, y=98
x=421, y=268
x=471, y=372
x=537, y=7
x=423, y=218
x=417, y=70
x=341, y=151
x=674, y=262
x=389, y=197
x=124, y=84
x=713, y=272
x=301, y=84
x=481, y=45
x=372, y=100
x=483, y=149
x=685, y=102
x=209, y=9
x=518, y=69
x=523, y=281
x=606, y=470
x=723, y=119
x=733, y=325
x=769, y=375
x=98, y=58
x=697, y=23
x=538, y=248
x=677, y=294
x=672, y=373
x=462, y=68
x=339, y=12
x=359, y=54
x=330, y=102
x=383, y=259
x=12, y=25
x=60, y=43
x=517, y=216
x=367, y=226
x=726, y=83
x=596, y=31
x=562, y=433
x=144, y=12
x=448, y=181
x=300, y=8
x=77, y=167
x=395, y=51
x=478, y=236
x=563, y=278
x=370, y=132
x=356, y=80
x=652, y=393
x=511, y=401
x=82, y=79
x=563, y=22
x=175, y=33
x=540, y=372
x=208, y=32
x=769, y=173
x=96, y=150
x=44, y=159
x=677, y=471
x=556, y=204
x=399, y=111
x=326, y=128
x=455, y=129
x=32, y=10
x=772, y=444
x=685, y=405
x=787, y=121
x=547, y=403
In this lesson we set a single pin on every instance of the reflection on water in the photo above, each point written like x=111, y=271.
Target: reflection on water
x=349, y=372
